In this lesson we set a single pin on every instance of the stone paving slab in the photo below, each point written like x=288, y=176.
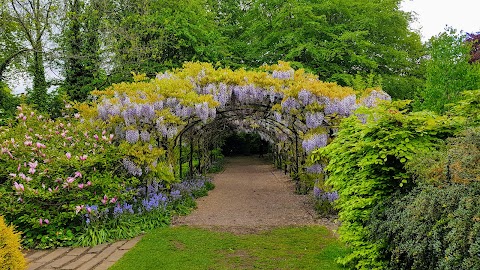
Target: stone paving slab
x=99, y=257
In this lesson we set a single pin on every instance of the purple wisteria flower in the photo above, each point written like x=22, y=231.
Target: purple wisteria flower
x=202, y=111
x=306, y=97
x=372, y=99
x=145, y=136
x=315, y=168
x=132, y=136
x=284, y=75
x=147, y=112
x=314, y=120
x=131, y=167
x=314, y=142
x=343, y=106
x=290, y=104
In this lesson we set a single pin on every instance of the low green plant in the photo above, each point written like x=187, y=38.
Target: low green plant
x=11, y=256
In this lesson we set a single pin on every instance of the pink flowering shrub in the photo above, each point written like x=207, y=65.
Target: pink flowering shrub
x=51, y=169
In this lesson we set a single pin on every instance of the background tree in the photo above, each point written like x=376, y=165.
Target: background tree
x=336, y=39
x=10, y=44
x=448, y=71
x=151, y=36
x=32, y=20
x=81, y=43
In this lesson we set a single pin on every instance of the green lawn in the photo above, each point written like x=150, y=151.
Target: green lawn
x=310, y=247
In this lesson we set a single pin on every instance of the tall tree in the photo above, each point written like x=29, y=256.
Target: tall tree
x=150, y=36
x=335, y=39
x=81, y=47
x=448, y=71
x=33, y=19
x=10, y=45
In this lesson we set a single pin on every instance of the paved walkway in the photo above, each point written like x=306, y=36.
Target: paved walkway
x=100, y=257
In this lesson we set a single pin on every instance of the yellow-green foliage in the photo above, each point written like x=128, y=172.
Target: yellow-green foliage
x=11, y=257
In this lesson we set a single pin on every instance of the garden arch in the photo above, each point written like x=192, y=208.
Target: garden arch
x=291, y=109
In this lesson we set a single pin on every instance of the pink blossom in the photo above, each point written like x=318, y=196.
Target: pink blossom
x=104, y=132
x=78, y=174
x=104, y=138
x=89, y=183
x=27, y=137
x=80, y=186
x=70, y=179
x=13, y=175
x=33, y=164
x=19, y=167
x=68, y=155
x=111, y=137
x=32, y=114
x=19, y=108
x=40, y=117
x=46, y=221
x=50, y=189
x=28, y=179
x=89, y=210
x=113, y=200
x=83, y=157
x=77, y=115
x=40, y=221
x=18, y=186
x=78, y=208
x=68, y=138
x=105, y=199
x=22, y=175
x=28, y=143
x=31, y=170
x=95, y=136
x=40, y=145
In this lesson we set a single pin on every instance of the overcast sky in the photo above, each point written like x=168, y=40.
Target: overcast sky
x=434, y=15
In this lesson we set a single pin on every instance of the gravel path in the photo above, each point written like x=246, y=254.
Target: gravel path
x=251, y=195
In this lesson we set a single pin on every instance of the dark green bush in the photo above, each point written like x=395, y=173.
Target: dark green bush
x=432, y=227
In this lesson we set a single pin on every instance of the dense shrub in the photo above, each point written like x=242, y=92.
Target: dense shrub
x=366, y=166
x=68, y=182
x=11, y=257
x=432, y=227
x=49, y=169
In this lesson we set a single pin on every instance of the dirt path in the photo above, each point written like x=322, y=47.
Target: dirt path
x=251, y=195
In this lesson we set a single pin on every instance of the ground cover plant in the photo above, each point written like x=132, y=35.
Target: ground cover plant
x=193, y=248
